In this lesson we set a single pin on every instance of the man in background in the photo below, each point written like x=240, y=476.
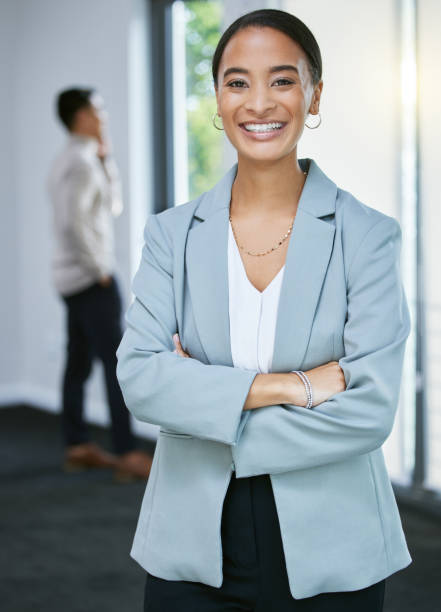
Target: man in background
x=85, y=192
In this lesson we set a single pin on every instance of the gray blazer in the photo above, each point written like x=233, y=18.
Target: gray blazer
x=341, y=299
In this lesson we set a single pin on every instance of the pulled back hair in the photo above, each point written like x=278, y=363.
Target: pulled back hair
x=278, y=20
x=69, y=101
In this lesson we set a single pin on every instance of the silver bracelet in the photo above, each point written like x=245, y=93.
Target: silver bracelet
x=308, y=386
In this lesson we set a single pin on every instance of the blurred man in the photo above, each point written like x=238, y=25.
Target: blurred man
x=85, y=193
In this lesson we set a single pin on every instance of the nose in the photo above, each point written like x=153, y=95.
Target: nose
x=259, y=99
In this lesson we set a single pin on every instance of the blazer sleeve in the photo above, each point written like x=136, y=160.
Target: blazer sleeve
x=159, y=386
x=285, y=437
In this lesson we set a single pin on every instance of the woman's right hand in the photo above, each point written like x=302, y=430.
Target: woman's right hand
x=326, y=380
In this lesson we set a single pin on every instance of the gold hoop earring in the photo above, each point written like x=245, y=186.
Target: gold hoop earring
x=313, y=127
x=214, y=121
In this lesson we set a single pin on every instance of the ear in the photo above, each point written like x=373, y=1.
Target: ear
x=315, y=101
x=82, y=113
x=216, y=91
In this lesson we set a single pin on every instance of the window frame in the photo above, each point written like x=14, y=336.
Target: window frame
x=161, y=68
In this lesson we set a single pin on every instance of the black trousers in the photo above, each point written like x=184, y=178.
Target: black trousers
x=94, y=330
x=255, y=578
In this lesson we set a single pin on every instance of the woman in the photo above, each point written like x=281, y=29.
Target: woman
x=268, y=488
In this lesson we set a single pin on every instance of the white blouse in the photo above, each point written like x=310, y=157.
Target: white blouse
x=253, y=314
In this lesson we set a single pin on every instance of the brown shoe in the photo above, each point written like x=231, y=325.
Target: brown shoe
x=80, y=457
x=133, y=465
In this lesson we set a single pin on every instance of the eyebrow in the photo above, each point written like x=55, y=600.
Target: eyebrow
x=272, y=69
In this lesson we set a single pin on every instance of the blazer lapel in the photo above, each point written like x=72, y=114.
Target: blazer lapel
x=207, y=271
x=307, y=259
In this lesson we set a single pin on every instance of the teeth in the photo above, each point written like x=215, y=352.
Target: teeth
x=262, y=127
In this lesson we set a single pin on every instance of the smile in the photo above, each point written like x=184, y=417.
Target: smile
x=262, y=127
x=263, y=131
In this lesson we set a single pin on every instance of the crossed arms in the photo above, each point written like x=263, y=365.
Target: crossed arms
x=206, y=401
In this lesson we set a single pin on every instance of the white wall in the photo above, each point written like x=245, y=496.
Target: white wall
x=429, y=49
x=10, y=332
x=357, y=143
x=53, y=44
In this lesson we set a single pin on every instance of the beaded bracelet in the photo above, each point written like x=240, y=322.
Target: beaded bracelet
x=308, y=387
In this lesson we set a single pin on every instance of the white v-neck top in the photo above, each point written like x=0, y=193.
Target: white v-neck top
x=253, y=314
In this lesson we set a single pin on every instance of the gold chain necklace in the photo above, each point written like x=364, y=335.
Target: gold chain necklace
x=273, y=248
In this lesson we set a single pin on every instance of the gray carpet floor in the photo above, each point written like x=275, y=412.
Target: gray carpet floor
x=65, y=538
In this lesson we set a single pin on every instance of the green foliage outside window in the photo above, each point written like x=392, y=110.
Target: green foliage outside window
x=203, y=30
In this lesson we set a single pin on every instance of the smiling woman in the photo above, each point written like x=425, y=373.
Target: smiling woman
x=266, y=339
x=265, y=100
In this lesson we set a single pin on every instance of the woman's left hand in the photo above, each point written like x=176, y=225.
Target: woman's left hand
x=179, y=350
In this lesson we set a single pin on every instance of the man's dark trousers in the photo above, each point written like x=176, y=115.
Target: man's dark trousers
x=94, y=330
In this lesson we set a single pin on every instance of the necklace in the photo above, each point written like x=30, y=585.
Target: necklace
x=270, y=250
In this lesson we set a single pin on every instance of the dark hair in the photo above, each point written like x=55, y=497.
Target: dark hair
x=279, y=20
x=69, y=101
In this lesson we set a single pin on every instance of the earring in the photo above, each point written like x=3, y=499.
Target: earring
x=214, y=121
x=313, y=127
